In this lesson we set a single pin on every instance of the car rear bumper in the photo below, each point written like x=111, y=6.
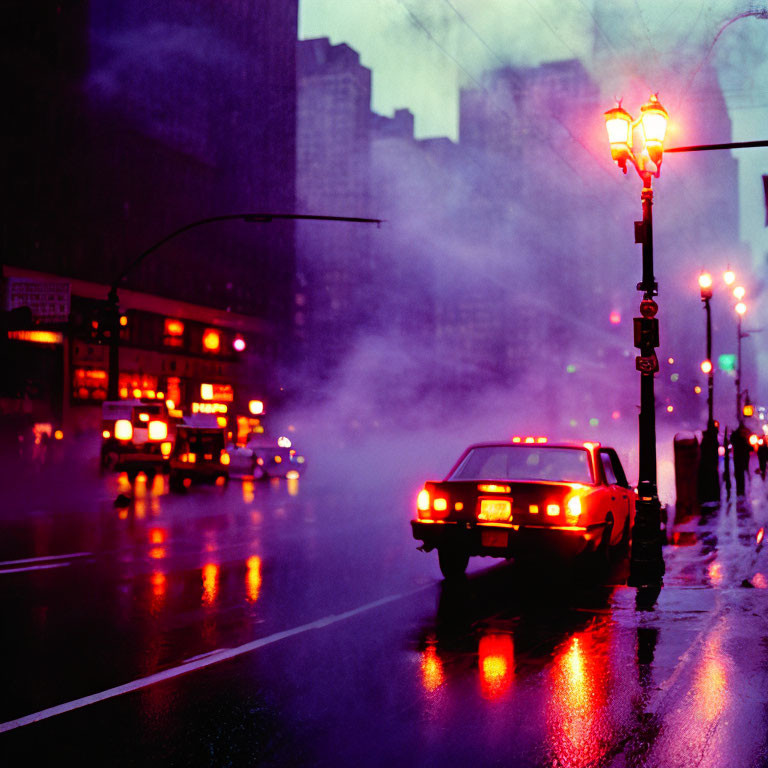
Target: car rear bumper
x=200, y=473
x=500, y=540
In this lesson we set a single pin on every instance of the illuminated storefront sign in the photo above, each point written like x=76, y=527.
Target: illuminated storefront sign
x=209, y=408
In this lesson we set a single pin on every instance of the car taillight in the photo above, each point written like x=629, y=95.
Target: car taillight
x=106, y=434
x=224, y=458
x=165, y=449
x=573, y=508
x=278, y=459
x=422, y=501
x=495, y=510
x=123, y=429
x=158, y=430
x=553, y=509
x=190, y=458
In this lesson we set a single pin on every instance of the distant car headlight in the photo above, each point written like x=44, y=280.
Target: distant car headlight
x=123, y=429
x=224, y=458
x=158, y=430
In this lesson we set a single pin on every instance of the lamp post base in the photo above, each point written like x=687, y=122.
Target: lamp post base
x=646, y=563
x=709, y=477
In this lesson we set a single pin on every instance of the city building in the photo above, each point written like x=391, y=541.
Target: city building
x=130, y=122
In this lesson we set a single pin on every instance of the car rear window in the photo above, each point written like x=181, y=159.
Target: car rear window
x=524, y=462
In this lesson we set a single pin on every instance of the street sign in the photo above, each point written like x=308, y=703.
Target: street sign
x=47, y=299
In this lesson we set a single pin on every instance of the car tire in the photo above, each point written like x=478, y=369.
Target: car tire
x=132, y=475
x=453, y=562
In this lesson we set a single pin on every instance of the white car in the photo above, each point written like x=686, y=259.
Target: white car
x=265, y=457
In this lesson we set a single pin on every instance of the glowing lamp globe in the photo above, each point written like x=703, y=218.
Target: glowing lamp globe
x=739, y=292
x=706, y=366
x=618, y=123
x=239, y=344
x=741, y=308
x=705, y=284
x=729, y=277
x=654, y=119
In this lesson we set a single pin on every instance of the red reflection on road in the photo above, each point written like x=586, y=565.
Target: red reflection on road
x=577, y=727
x=159, y=586
x=432, y=676
x=495, y=658
x=253, y=578
x=210, y=583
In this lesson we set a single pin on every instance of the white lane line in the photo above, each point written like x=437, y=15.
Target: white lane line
x=33, y=568
x=200, y=663
x=45, y=559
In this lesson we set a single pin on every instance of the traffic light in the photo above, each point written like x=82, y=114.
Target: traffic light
x=100, y=321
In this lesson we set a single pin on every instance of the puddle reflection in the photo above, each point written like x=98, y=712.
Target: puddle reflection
x=432, y=676
x=253, y=578
x=495, y=658
x=210, y=584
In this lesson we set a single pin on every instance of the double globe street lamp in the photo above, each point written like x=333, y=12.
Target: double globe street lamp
x=708, y=479
x=646, y=560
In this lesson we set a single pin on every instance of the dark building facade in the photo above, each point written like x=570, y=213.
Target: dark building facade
x=130, y=121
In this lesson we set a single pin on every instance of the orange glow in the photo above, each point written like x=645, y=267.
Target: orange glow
x=173, y=327
x=760, y=535
x=729, y=277
x=170, y=405
x=158, y=430
x=752, y=439
x=253, y=578
x=533, y=509
x=494, y=510
x=740, y=308
x=614, y=318
x=671, y=360
x=422, y=501
x=553, y=509
x=137, y=392
x=615, y=415
x=248, y=488
x=123, y=320
x=58, y=435
x=590, y=446
x=670, y=408
x=491, y=488
x=106, y=434
x=697, y=389
x=705, y=280
x=123, y=513
x=440, y=505
x=654, y=119
x=517, y=439
x=144, y=417
x=458, y=506
x=157, y=553
x=224, y=458
x=432, y=676
x=206, y=391
x=255, y=407
x=760, y=581
x=749, y=409
x=529, y=440
x=573, y=508
x=157, y=535
x=158, y=583
x=496, y=660
x=292, y=475
x=706, y=366
x=165, y=448
x=739, y=292
x=541, y=439
x=210, y=583
x=123, y=429
x=715, y=573
x=209, y=407
x=37, y=337
x=211, y=340
x=221, y=421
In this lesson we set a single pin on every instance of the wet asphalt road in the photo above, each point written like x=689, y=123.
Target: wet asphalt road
x=296, y=624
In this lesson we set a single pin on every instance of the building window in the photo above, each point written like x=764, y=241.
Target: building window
x=173, y=333
x=89, y=384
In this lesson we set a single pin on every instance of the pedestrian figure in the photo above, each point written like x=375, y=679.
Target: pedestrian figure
x=741, y=451
x=727, y=465
x=762, y=457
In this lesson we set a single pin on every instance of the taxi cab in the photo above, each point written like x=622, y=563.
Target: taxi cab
x=134, y=436
x=198, y=454
x=528, y=497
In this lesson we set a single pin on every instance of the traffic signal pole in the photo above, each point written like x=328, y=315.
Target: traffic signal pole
x=113, y=304
x=646, y=565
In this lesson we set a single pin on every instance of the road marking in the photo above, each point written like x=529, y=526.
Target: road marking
x=33, y=568
x=45, y=559
x=206, y=661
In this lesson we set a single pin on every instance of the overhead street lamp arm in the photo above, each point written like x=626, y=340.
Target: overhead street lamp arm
x=729, y=145
x=251, y=218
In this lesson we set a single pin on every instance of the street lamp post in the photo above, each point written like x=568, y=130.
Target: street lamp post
x=709, y=479
x=741, y=308
x=646, y=560
x=113, y=302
